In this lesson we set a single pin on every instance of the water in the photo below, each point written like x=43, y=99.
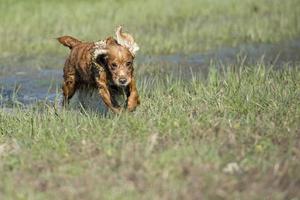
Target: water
x=26, y=85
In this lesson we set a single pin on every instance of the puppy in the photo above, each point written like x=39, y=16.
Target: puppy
x=106, y=65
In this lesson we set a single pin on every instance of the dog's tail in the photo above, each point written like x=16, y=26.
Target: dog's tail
x=68, y=41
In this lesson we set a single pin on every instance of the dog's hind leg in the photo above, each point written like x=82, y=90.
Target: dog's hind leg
x=69, y=88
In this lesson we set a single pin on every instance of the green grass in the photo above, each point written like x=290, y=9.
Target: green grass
x=169, y=26
x=177, y=145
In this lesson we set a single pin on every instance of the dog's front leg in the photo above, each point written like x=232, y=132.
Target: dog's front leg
x=133, y=99
x=105, y=94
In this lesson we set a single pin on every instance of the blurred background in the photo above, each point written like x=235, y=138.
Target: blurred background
x=160, y=27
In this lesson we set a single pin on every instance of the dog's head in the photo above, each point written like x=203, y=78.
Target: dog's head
x=117, y=56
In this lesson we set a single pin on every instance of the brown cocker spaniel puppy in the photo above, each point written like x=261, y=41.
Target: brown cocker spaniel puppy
x=106, y=65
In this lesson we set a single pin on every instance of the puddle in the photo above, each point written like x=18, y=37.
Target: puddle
x=269, y=54
x=31, y=86
x=26, y=85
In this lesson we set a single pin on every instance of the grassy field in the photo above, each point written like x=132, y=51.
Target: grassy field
x=233, y=133
x=29, y=27
x=233, y=136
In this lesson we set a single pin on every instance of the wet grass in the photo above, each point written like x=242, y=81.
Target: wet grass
x=29, y=27
x=232, y=135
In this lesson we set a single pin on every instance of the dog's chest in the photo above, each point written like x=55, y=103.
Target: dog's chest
x=89, y=99
x=119, y=95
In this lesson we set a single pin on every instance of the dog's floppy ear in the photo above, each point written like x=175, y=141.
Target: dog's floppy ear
x=126, y=40
x=100, y=48
x=100, y=52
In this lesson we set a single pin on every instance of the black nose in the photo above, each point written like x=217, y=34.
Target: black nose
x=122, y=80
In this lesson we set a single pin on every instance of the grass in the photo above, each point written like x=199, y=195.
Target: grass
x=29, y=27
x=233, y=135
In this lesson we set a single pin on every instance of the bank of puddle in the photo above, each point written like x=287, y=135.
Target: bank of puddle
x=29, y=85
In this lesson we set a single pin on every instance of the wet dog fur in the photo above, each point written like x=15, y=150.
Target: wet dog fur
x=106, y=65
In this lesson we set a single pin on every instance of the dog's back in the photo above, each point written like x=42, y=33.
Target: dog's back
x=79, y=60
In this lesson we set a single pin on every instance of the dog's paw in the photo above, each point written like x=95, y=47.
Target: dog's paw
x=131, y=108
x=117, y=110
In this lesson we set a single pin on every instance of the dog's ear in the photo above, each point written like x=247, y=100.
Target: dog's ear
x=100, y=48
x=126, y=40
x=100, y=52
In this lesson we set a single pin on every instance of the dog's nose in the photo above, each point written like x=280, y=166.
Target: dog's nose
x=122, y=80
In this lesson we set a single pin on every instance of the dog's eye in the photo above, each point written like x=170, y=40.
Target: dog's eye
x=128, y=64
x=113, y=65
